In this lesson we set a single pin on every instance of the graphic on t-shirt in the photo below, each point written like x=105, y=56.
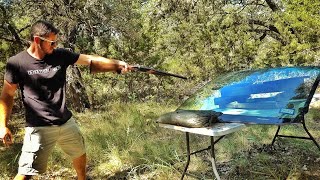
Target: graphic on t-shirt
x=43, y=71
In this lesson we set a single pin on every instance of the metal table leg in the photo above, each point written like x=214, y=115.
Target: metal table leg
x=216, y=174
x=309, y=134
x=212, y=158
x=188, y=156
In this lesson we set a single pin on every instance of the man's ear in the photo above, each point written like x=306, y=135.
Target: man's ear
x=36, y=40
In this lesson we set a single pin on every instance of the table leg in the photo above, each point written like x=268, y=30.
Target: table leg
x=188, y=156
x=213, y=159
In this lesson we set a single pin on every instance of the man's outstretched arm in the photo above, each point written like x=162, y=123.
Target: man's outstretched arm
x=102, y=64
x=6, y=103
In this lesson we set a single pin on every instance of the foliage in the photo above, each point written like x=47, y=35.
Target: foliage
x=198, y=39
x=124, y=142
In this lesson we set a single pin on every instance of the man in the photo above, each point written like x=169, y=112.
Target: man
x=40, y=73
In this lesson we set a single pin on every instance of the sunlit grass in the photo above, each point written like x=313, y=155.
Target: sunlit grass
x=123, y=141
x=125, y=137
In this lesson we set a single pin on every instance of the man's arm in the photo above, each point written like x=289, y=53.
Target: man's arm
x=6, y=103
x=101, y=64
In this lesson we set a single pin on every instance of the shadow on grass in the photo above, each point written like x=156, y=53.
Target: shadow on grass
x=9, y=157
x=284, y=160
x=122, y=175
x=287, y=159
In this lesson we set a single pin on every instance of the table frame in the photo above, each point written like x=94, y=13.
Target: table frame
x=219, y=130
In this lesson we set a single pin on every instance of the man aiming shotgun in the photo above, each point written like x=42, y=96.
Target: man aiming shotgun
x=97, y=68
x=40, y=74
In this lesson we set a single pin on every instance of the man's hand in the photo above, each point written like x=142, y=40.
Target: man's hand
x=124, y=67
x=6, y=136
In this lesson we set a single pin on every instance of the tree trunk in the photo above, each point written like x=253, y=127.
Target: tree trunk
x=76, y=92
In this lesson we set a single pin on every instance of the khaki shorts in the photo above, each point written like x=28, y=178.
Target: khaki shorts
x=39, y=142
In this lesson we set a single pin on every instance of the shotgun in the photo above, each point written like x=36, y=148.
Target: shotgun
x=154, y=71
x=101, y=66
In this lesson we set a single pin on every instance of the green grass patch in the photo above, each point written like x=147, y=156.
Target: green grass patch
x=124, y=142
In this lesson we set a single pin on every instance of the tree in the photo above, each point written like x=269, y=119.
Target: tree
x=232, y=35
x=199, y=39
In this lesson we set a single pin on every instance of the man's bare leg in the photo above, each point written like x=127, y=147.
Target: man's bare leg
x=79, y=165
x=22, y=177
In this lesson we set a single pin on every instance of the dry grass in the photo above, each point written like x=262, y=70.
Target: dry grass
x=124, y=142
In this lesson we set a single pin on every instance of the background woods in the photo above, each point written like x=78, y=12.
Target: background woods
x=198, y=39
x=195, y=38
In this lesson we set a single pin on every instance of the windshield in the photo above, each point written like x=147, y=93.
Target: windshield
x=266, y=96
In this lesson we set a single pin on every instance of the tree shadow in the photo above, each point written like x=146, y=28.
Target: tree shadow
x=9, y=157
x=285, y=160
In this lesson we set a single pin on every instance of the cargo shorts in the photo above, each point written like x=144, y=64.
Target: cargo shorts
x=39, y=142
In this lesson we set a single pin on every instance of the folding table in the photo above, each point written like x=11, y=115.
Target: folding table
x=275, y=96
x=217, y=130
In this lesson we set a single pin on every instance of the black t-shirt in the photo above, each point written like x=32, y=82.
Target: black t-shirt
x=43, y=85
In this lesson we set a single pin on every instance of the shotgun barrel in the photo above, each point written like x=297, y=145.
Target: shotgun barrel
x=155, y=71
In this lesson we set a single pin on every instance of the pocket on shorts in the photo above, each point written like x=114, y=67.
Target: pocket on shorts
x=30, y=148
x=31, y=142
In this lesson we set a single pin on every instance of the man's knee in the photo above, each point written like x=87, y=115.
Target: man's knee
x=22, y=177
x=81, y=160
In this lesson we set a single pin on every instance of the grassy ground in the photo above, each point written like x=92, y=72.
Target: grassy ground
x=124, y=142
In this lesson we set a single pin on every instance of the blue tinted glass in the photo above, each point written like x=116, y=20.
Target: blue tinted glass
x=268, y=96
